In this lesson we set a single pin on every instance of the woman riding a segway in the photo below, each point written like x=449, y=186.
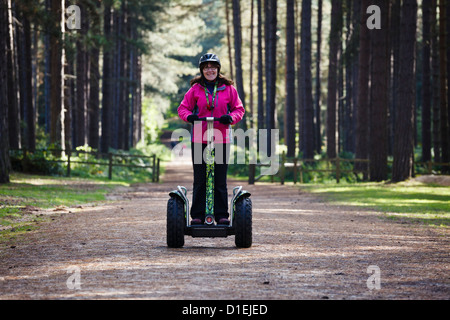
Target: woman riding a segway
x=211, y=95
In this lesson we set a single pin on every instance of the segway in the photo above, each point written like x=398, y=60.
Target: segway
x=178, y=220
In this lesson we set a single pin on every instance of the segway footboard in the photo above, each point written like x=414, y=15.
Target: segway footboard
x=204, y=231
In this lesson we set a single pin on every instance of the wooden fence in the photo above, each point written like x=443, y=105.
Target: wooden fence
x=299, y=167
x=109, y=157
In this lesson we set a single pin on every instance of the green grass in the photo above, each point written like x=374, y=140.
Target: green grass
x=407, y=201
x=27, y=192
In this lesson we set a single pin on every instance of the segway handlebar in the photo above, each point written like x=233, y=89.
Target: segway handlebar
x=208, y=119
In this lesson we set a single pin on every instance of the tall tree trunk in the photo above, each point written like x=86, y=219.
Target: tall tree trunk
x=93, y=106
x=29, y=107
x=350, y=60
x=394, y=40
x=335, y=40
x=251, y=64
x=448, y=66
x=307, y=126
x=362, y=132
x=261, y=120
x=340, y=109
x=435, y=82
x=445, y=143
x=81, y=71
x=94, y=79
x=379, y=91
x=47, y=77
x=13, y=88
x=4, y=141
x=116, y=79
x=25, y=79
x=289, y=119
x=299, y=101
x=116, y=64
x=137, y=100
x=426, y=82
x=106, y=111
x=68, y=105
x=317, y=116
x=230, y=55
x=123, y=83
x=356, y=21
x=404, y=135
x=55, y=73
x=271, y=64
x=126, y=82
x=238, y=54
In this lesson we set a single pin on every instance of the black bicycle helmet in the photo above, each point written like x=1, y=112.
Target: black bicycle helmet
x=209, y=57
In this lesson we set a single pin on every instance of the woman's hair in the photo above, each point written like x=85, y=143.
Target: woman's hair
x=221, y=79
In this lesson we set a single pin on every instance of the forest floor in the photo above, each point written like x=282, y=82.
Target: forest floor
x=303, y=248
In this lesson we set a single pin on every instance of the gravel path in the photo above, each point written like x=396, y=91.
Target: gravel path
x=302, y=248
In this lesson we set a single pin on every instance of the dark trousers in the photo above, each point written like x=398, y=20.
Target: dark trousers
x=222, y=152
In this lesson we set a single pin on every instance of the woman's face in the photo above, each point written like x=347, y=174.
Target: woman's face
x=210, y=71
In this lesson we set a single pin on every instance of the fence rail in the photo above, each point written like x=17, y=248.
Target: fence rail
x=155, y=166
x=299, y=168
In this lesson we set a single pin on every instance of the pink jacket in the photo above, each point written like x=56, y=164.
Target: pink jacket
x=227, y=102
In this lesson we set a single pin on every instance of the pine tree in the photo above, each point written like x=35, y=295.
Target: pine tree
x=404, y=134
x=378, y=138
x=289, y=132
x=4, y=142
x=305, y=87
x=335, y=40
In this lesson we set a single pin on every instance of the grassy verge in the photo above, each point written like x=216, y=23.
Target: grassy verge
x=20, y=199
x=407, y=201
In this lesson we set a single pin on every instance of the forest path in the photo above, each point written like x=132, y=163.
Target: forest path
x=302, y=248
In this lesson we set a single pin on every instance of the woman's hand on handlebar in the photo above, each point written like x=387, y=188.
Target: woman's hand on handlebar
x=192, y=118
x=226, y=119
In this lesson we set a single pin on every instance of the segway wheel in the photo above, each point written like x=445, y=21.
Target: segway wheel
x=243, y=223
x=175, y=223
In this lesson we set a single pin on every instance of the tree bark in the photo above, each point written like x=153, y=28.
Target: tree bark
x=13, y=88
x=4, y=141
x=362, y=132
x=379, y=92
x=251, y=104
x=106, y=111
x=426, y=81
x=93, y=106
x=402, y=168
x=271, y=65
x=317, y=115
x=435, y=82
x=332, y=99
x=230, y=55
x=307, y=125
x=55, y=74
x=261, y=120
x=238, y=54
x=445, y=143
x=289, y=123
